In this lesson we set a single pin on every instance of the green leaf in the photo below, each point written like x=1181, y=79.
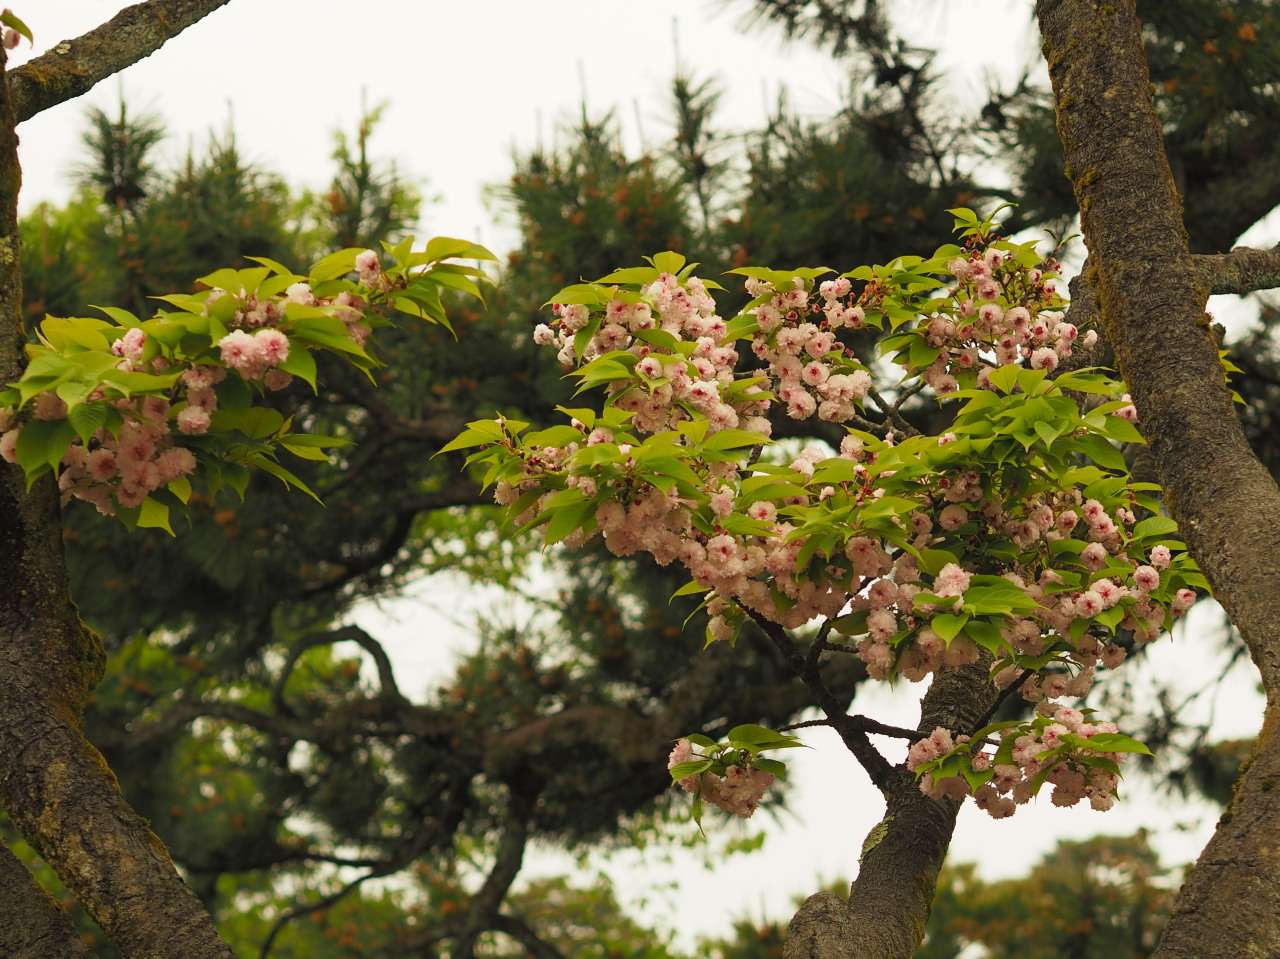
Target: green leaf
x=691, y=588
x=275, y=266
x=1115, y=743
x=772, y=766
x=1005, y=378
x=268, y=465
x=87, y=418
x=985, y=634
x=693, y=767
x=305, y=452
x=761, y=737
x=931, y=561
x=638, y=275
x=448, y=247
x=42, y=443
x=1154, y=526
x=181, y=488
x=1101, y=452
x=334, y=265
x=1081, y=381
x=10, y=19
x=301, y=364
x=154, y=515
x=456, y=281
x=478, y=433
x=733, y=439
x=948, y=626
x=123, y=317
x=257, y=422
x=580, y=294
x=1122, y=430
x=667, y=262
x=567, y=518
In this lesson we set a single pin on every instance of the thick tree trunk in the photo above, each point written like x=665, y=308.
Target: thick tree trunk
x=54, y=784
x=889, y=902
x=1152, y=298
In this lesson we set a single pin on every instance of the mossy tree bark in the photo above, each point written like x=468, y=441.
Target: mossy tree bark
x=55, y=786
x=1152, y=294
x=32, y=925
x=889, y=901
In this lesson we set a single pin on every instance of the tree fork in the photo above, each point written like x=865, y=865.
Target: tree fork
x=1152, y=295
x=889, y=903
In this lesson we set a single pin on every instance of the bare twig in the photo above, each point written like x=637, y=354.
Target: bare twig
x=805, y=667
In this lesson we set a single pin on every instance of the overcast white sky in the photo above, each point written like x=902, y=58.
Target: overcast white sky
x=467, y=83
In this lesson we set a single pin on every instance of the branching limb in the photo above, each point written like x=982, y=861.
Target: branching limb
x=486, y=903
x=523, y=933
x=892, y=415
x=806, y=668
x=354, y=634
x=307, y=909
x=74, y=66
x=864, y=723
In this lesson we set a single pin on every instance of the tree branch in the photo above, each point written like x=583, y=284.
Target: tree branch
x=1243, y=270
x=506, y=865
x=354, y=634
x=74, y=66
x=888, y=905
x=32, y=925
x=806, y=669
x=54, y=784
x=523, y=933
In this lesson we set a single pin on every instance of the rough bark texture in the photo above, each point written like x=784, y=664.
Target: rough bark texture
x=54, y=784
x=74, y=66
x=888, y=905
x=1152, y=295
x=1243, y=270
x=32, y=925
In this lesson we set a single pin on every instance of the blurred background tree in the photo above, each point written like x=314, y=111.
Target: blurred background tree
x=323, y=809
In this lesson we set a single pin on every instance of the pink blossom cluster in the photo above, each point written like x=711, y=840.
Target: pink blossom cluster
x=121, y=467
x=738, y=792
x=758, y=570
x=1064, y=592
x=999, y=312
x=1055, y=745
x=121, y=470
x=668, y=385
x=257, y=356
x=811, y=370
